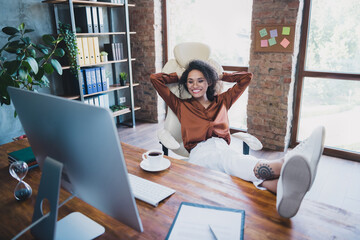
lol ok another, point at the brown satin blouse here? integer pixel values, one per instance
(197, 122)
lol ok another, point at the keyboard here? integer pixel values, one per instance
(148, 191)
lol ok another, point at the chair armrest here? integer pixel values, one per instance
(249, 139)
(167, 140)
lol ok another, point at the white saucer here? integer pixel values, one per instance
(165, 163)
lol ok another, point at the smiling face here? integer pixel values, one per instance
(197, 85)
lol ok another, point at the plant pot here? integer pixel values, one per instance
(104, 58)
(122, 82)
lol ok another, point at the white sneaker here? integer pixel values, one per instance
(298, 173)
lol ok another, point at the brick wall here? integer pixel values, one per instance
(145, 20)
(271, 91)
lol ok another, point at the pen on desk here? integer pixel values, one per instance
(213, 233)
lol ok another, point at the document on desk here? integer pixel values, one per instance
(196, 221)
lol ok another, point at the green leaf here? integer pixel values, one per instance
(44, 51)
(26, 40)
(32, 53)
(21, 26)
(59, 39)
(48, 68)
(48, 39)
(5, 80)
(11, 37)
(12, 66)
(20, 57)
(40, 46)
(45, 81)
(14, 44)
(28, 30)
(40, 74)
(33, 64)
(23, 74)
(57, 66)
(11, 50)
(29, 78)
(10, 30)
(59, 52)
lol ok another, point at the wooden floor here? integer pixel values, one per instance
(336, 183)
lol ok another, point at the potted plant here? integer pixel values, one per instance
(123, 78)
(71, 48)
(104, 56)
(25, 64)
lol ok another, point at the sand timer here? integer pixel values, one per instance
(18, 170)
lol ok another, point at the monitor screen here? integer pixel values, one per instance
(84, 138)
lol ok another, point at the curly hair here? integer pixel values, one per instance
(209, 73)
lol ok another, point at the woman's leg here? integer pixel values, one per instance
(268, 169)
(216, 154)
(270, 185)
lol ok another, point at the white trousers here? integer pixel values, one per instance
(216, 154)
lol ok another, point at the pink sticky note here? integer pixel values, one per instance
(264, 43)
(285, 43)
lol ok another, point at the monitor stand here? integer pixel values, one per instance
(74, 225)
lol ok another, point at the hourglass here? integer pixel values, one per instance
(18, 170)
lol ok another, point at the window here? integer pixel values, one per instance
(223, 25)
(329, 79)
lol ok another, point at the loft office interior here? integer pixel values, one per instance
(282, 103)
(276, 109)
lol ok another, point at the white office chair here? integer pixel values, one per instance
(170, 135)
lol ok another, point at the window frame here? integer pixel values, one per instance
(302, 73)
(166, 57)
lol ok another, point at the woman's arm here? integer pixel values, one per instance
(159, 81)
(242, 80)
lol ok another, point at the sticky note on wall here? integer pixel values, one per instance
(286, 31)
(272, 41)
(285, 43)
(263, 32)
(264, 43)
(273, 33)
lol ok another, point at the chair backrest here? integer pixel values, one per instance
(184, 53)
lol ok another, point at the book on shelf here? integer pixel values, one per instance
(101, 19)
(85, 51)
(117, 49)
(96, 49)
(101, 100)
(122, 55)
(80, 51)
(25, 155)
(104, 80)
(82, 81)
(98, 79)
(91, 50)
(95, 22)
(83, 19)
(88, 81)
(93, 80)
(110, 49)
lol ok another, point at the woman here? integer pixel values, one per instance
(206, 135)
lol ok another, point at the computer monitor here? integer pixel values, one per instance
(84, 138)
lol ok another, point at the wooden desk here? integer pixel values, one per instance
(192, 184)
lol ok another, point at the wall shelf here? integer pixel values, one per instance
(114, 19)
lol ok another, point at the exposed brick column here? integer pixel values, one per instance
(145, 20)
(269, 100)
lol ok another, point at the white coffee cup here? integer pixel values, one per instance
(153, 157)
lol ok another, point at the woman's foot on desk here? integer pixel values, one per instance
(298, 173)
